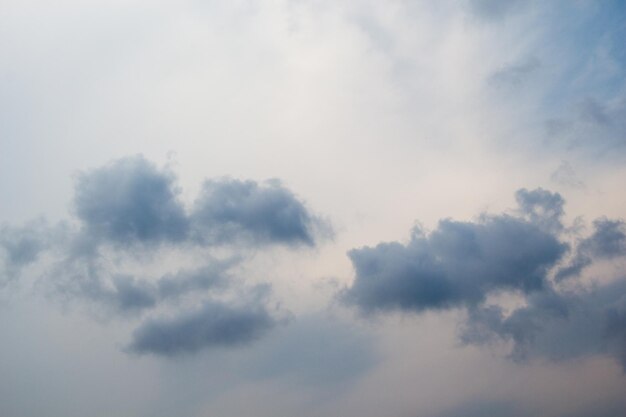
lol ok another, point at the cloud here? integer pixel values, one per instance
(21, 246)
(232, 210)
(514, 75)
(213, 325)
(557, 325)
(128, 212)
(459, 263)
(596, 127)
(119, 294)
(565, 175)
(212, 276)
(607, 241)
(129, 209)
(542, 208)
(130, 200)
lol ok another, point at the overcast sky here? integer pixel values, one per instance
(313, 208)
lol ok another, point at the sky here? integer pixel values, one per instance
(313, 208)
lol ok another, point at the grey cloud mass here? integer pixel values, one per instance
(607, 241)
(230, 209)
(542, 208)
(130, 200)
(557, 325)
(131, 210)
(130, 206)
(213, 325)
(458, 264)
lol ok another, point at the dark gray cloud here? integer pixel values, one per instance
(232, 210)
(88, 280)
(130, 200)
(557, 325)
(541, 207)
(458, 264)
(130, 209)
(213, 325)
(607, 241)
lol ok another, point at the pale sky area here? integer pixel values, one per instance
(313, 208)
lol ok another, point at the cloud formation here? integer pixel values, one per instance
(130, 211)
(131, 201)
(557, 325)
(232, 210)
(213, 325)
(460, 264)
(607, 241)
